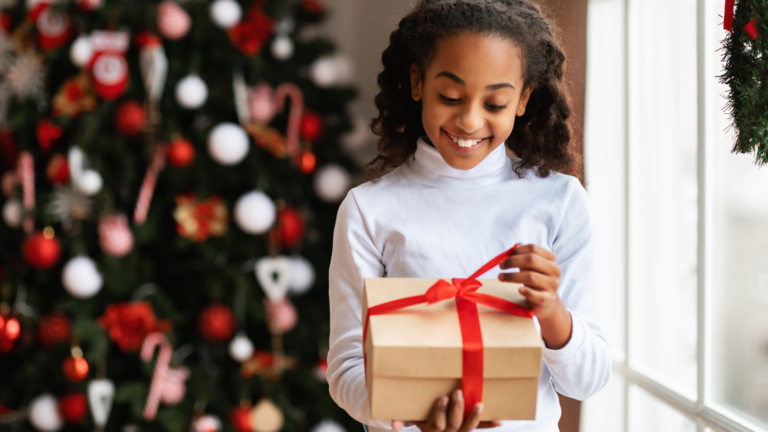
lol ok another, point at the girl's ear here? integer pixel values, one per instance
(415, 82)
(523, 101)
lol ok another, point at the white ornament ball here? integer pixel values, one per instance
(241, 348)
(255, 212)
(332, 183)
(226, 13)
(12, 213)
(282, 47)
(81, 51)
(345, 71)
(323, 72)
(90, 183)
(328, 426)
(228, 143)
(44, 413)
(191, 92)
(302, 275)
(80, 277)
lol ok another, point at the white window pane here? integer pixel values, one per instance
(604, 157)
(648, 414)
(738, 348)
(663, 191)
(604, 412)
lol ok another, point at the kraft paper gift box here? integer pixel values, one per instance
(414, 355)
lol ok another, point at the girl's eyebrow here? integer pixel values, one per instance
(460, 81)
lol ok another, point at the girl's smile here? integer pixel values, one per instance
(465, 145)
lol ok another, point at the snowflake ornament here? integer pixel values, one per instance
(67, 205)
(25, 74)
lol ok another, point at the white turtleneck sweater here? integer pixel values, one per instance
(428, 220)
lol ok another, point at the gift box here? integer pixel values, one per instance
(416, 347)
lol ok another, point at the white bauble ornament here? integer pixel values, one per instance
(228, 143)
(12, 213)
(241, 348)
(332, 183)
(323, 72)
(282, 47)
(191, 92)
(255, 212)
(302, 275)
(80, 277)
(328, 426)
(44, 413)
(81, 51)
(89, 183)
(206, 423)
(226, 13)
(345, 71)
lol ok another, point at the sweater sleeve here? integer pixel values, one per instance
(354, 258)
(583, 366)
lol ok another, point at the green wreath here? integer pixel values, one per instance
(746, 74)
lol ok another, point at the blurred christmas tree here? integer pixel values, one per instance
(171, 174)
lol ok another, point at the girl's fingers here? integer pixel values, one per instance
(532, 262)
(437, 421)
(533, 296)
(489, 424)
(531, 279)
(534, 249)
(397, 424)
(473, 420)
(456, 412)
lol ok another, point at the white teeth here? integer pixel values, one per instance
(464, 143)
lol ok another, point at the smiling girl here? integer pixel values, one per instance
(463, 82)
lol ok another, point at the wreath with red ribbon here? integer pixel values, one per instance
(745, 54)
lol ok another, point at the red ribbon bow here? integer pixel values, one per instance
(467, 299)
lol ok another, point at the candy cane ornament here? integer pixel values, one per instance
(148, 185)
(167, 383)
(26, 172)
(294, 117)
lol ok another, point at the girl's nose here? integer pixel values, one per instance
(470, 119)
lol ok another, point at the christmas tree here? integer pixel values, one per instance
(171, 173)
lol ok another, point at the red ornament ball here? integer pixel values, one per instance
(240, 419)
(73, 407)
(181, 153)
(216, 323)
(10, 329)
(130, 118)
(41, 250)
(53, 329)
(307, 162)
(311, 126)
(75, 368)
(58, 169)
(290, 227)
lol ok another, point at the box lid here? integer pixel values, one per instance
(425, 341)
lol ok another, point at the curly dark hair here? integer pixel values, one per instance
(541, 136)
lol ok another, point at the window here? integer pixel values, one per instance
(682, 225)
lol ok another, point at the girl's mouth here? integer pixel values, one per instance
(464, 144)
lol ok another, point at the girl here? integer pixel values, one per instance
(463, 81)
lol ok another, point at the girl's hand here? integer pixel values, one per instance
(447, 417)
(540, 275)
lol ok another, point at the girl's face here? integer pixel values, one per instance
(471, 92)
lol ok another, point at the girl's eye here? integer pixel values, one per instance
(447, 99)
(496, 107)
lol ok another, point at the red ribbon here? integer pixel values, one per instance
(467, 299)
(728, 16)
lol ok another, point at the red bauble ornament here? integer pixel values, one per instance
(75, 368)
(41, 250)
(281, 315)
(307, 162)
(73, 407)
(115, 236)
(53, 329)
(290, 227)
(58, 169)
(130, 118)
(216, 323)
(240, 419)
(180, 153)
(311, 126)
(173, 22)
(47, 133)
(10, 329)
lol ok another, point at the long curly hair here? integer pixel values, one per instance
(541, 136)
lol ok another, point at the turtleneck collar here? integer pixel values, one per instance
(430, 166)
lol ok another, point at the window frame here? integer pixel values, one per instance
(702, 411)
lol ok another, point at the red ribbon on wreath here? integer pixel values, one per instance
(467, 299)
